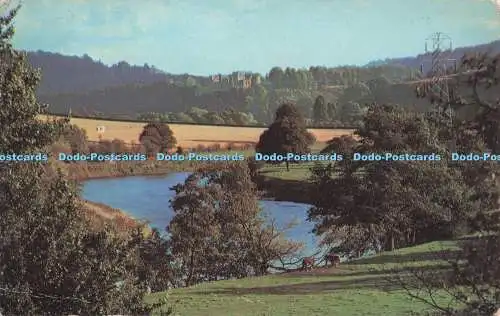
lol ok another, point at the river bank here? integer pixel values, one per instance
(82, 171)
(274, 188)
(101, 214)
(285, 190)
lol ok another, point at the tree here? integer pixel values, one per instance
(393, 203)
(288, 110)
(49, 252)
(198, 115)
(156, 261)
(467, 283)
(332, 110)
(472, 281)
(157, 137)
(287, 134)
(320, 110)
(118, 146)
(277, 77)
(218, 230)
(52, 261)
(182, 118)
(305, 104)
(343, 144)
(214, 118)
(260, 102)
(77, 139)
(351, 113)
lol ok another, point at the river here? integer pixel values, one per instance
(147, 198)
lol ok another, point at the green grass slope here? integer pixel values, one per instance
(362, 287)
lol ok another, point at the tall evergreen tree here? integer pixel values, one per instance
(320, 110)
(332, 110)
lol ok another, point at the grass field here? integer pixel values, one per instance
(297, 171)
(188, 136)
(362, 287)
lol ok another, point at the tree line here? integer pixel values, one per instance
(172, 104)
(202, 116)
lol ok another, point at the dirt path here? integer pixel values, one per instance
(322, 271)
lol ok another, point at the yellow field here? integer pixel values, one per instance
(188, 136)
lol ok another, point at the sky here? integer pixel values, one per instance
(204, 37)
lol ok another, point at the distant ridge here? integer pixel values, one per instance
(415, 62)
(89, 74)
(123, 91)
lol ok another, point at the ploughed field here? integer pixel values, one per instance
(188, 136)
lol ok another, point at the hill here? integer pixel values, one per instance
(80, 74)
(457, 53)
(123, 91)
(132, 99)
(74, 74)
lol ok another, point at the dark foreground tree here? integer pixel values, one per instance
(157, 137)
(287, 134)
(218, 230)
(471, 282)
(52, 261)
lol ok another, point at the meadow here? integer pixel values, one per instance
(188, 136)
(361, 287)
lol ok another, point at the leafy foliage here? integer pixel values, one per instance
(218, 230)
(395, 203)
(52, 261)
(288, 133)
(157, 137)
(473, 279)
(77, 139)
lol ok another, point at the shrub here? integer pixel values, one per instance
(118, 146)
(201, 148)
(232, 146)
(76, 138)
(215, 147)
